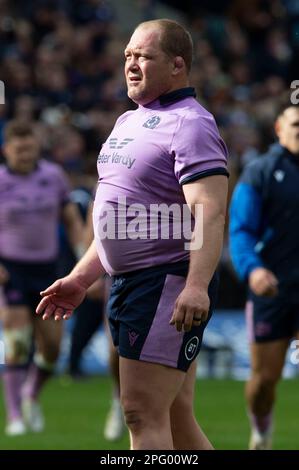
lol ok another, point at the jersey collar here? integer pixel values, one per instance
(278, 149)
(177, 95)
(14, 172)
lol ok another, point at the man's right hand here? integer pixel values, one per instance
(263, 282)
(61, 298)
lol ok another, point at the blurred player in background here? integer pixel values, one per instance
(168, 151)
(34, 195)
(264, 244)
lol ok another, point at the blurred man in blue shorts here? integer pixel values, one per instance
(264, 244)
(34, 196)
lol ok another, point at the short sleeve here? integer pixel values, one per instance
(198, 149)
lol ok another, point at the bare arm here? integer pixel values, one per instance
(89, 268)
(88, 233)
(193, 302)
(97, 290)
(211, 192)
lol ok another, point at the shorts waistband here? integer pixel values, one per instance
(160, 267)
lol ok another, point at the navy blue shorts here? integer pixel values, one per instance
(139, 310)
(26, 280)
(273, 318)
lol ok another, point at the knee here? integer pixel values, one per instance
(133, 408)
(17, 344)
(43, 362)
(135, 419)
(50, 350)
(138, 414)
(51, 355)
(266, 380)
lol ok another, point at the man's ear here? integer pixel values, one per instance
(179, 64)
(4, 150)
(277, 126)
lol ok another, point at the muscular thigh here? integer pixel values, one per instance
(15, 316)
(150, 386)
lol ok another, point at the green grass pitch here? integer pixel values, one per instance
(75, 414)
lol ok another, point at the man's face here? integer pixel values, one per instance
(287, 129)
(21, 153)
(148, 69)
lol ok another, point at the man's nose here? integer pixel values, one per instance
(133, 63)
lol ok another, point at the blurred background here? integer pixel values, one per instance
(62, 65)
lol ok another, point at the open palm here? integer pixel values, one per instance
(61, 299)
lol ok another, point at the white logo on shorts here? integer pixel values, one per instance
(191, 348)
(279, 175)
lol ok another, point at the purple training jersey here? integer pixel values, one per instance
(149, 155)
(29, 212)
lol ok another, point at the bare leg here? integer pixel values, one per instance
(48, 337)
(17, 330)
(115, 425)
(267, 360)
(147, 392)
(186, 432)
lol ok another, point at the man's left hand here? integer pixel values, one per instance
(191, 308)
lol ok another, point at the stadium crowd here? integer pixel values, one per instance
(61, 64)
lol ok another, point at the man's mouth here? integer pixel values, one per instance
(134, 79)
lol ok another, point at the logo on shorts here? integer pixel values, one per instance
(279, 175)
(191, 348)
(263, 329)
(14, 295)
(132, 337)
(152, 122)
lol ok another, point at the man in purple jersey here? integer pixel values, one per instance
(160, 159)
(34, 194)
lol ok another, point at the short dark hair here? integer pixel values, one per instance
(175, 39)
(17, 129)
